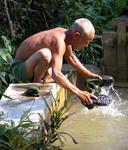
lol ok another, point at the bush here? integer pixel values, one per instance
(6, 55)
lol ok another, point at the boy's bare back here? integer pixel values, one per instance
(46, 39)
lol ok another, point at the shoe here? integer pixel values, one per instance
(102, 100)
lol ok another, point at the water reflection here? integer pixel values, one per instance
(101, 128)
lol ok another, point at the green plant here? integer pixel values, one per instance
(30, 135)
(30, 16)
(91, 55)
(32, 91)
(6, 54)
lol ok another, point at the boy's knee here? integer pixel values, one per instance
(46, 55)
(38, 61)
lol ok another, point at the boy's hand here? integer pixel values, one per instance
(86, 97)
(96, 76)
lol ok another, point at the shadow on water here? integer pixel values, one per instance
(101, 128)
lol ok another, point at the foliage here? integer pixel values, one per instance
(22, 18)
(32, 91)
(30, 135)
(29, 16)
(6, 54)
(94, 51)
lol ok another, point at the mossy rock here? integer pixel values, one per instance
(32, 91)
(93, 83)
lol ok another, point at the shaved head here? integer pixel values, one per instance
(82, 25)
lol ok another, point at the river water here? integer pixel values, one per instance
(101, 128)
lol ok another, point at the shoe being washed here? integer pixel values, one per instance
(100, 88)
(102, 100)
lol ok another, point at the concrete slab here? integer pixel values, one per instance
(13, 103)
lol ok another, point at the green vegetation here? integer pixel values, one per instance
(6, 55)
(21, 18)
(30, 135)
(32, 91)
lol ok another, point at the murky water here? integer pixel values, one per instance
(102, 128)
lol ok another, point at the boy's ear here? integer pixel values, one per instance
(76, 35)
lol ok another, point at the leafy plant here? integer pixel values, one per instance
(91, 55)
(32, 91)
(6, 54)
(29, 135)
(23, 18)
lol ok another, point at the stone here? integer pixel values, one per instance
(81, 80)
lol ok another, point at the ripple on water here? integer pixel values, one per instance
(101, 128)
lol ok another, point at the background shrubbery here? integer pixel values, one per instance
(22, 18)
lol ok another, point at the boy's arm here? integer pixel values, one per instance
(58, 76)
(74, 61)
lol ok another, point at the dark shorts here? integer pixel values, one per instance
(18, 70)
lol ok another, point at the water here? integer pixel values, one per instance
(102, 128)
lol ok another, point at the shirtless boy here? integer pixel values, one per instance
(41, 55)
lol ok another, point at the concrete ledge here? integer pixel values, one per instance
(14, 106)
(81, 80)
(13, 103)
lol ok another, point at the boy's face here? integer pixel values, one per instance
(83, 40)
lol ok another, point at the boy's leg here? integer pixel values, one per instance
(48, 77)
(38, 64)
